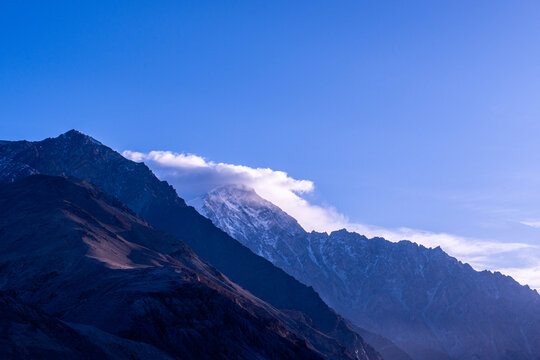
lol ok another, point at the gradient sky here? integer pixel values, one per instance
(423, 114)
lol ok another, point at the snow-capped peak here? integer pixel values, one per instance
(252, 220)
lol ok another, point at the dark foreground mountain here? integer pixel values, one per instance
(426, 302)
(82, 257)
(75, 154)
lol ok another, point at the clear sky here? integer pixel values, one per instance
(417, 114)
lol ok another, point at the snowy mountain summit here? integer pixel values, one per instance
(426, 302)
(256, 222)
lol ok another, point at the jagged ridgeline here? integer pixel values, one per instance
(426, 302)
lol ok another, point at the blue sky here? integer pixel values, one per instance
(419, 114)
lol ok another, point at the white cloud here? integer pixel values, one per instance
(192, 176)
(531, 223)
(525, 275)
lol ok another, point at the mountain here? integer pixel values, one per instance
(74, 154)
(426, 302)
(82, 257)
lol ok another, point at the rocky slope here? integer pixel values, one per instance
(426, 302)
(82, 257)
(75, 154)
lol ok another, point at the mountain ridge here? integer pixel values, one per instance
(412, 295)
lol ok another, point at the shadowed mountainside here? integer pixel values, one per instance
(82, 257)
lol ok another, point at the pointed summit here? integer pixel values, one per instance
(75, 154)
(73, 132)
(240, 194)
(78, 135)
(255, 222)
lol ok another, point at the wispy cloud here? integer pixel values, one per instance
(193, 175)
(531, 223)
(525, 275)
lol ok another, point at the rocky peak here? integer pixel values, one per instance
(247, 208)
(79, 155)
(76, 135)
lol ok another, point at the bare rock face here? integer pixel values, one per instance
(74, 154)
(426, 302)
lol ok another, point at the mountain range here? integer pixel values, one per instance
(143, 287)
(425, 301)
(101, 259)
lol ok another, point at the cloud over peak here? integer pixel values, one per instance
(193, 176)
